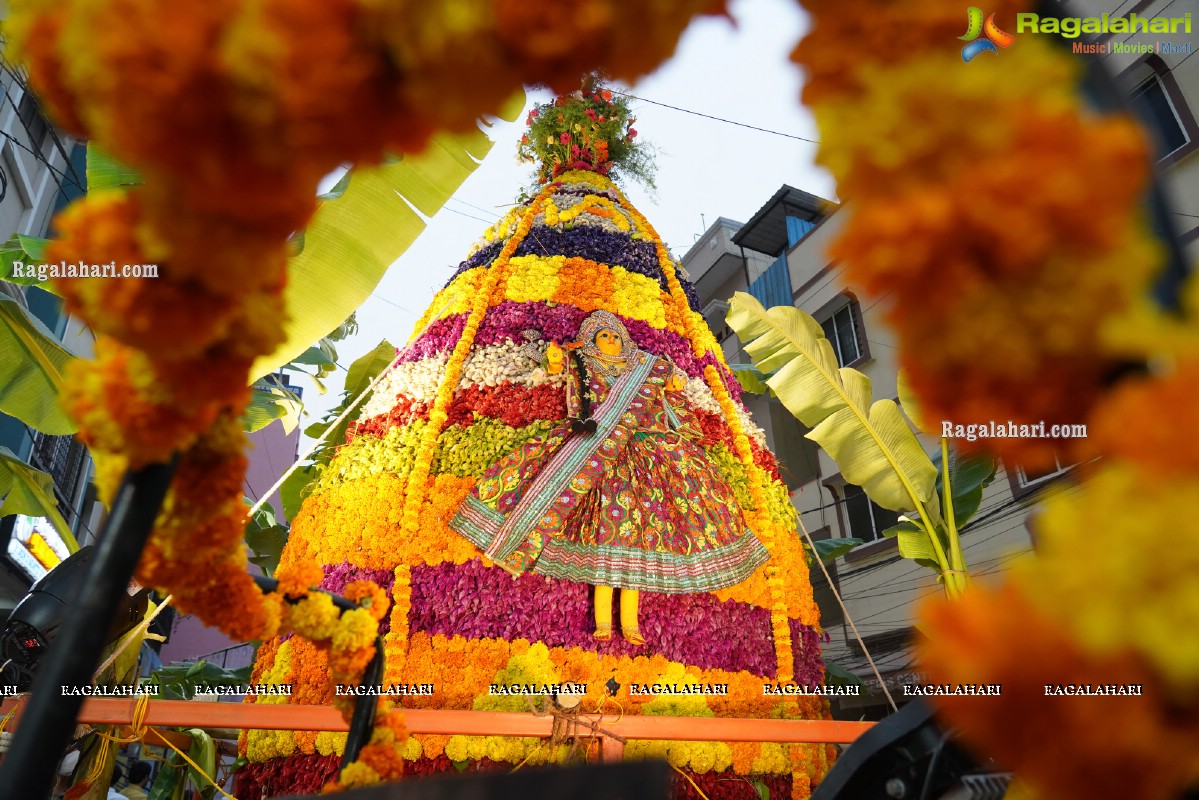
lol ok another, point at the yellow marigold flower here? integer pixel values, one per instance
(1092, 577)
(357, 774)
(356, 630)
(1062, 747)
(840, 53)
(314, 617)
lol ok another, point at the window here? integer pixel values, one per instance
(714, 314)
(1025, 479)
(66, 461)
(33, 120)
(867, 520)
(1156, 109)
(843, 329)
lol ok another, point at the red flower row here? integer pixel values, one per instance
(518, 405)
(514, 404)
(304, 774)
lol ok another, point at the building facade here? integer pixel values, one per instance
(40, 172)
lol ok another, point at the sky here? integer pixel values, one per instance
(706, 169)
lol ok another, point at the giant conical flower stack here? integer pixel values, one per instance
(471, 386)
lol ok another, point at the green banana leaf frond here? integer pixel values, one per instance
(870, 441)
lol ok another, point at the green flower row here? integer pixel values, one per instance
(461, 451)
(470, 450)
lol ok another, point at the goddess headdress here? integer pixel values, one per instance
(599, 321)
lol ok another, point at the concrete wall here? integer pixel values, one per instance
(1180, 76)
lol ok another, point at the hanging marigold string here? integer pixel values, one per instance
(972, 210)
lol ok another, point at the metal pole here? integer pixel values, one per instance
(48, 721)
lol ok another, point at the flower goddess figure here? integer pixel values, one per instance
(560, 429)
(620, 495)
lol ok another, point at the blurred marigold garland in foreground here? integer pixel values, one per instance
(970, 218)
(233, 111)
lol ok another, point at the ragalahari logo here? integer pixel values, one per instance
(993, 36)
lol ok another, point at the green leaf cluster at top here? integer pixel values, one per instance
(591, 129)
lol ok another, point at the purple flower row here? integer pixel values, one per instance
(476, 602)
(338, 576)
(613, 248)
(805, 644)
(481, 257)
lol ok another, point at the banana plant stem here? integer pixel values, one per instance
(957, 562)
(930, 530)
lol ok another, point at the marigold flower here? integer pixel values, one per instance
(1060, 746)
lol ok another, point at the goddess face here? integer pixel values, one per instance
(609, 342)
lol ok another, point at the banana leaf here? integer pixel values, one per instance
(29, 491)
(105, 172)
(362, 227)
(203, 754)
(268, 403)
(31, 373)
(266, 538)
(29, 250)
(358, 377)
(969, 477)
(871, 442)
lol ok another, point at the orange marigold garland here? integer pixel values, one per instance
(348, 638)
(704, 343)
(418, 479)
(971, 220)
(246, 107)
(970, 225)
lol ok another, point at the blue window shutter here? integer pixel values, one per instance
(773, 287)
(797, 229)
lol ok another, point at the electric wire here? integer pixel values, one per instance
(714, 118)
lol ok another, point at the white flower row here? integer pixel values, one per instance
(415, 379)
(485, 366)
(699, 396)
(511, 363)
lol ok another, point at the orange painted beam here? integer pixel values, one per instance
(171, 713)
(155, 738)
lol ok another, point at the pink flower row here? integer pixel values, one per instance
(476, 602)
(507, 321)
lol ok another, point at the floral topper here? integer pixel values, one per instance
(591, 129)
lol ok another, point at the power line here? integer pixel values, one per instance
(480, 208)
(468, 216)
(717, 119)
(378, 296)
